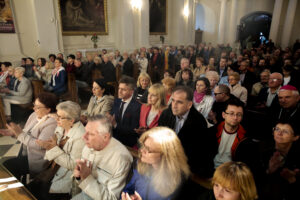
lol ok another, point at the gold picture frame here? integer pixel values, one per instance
(81, 17)
(158, 17)
(6, 17)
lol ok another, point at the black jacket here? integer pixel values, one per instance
(198, 144)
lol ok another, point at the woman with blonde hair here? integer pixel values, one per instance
(143, 83)
(151, 111)
(161, 167)
(234, 181)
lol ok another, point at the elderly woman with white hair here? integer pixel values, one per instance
(213, 78)
(21, 93)
(64, 148)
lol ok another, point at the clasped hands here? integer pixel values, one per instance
(83, 169)
(12, 130)
(135, 196)
(47, 144)
(276, 162)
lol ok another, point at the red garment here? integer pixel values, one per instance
(70, 68)
(7, 79)
(145, 110)
(168, 97)
(154, 59)
(239, 137)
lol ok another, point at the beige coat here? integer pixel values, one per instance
(100, 107)
(240, 92)
(66, 157)
(110, 168)
(32, 131)
(198, 71)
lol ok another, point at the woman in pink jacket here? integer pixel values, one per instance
(151, 112)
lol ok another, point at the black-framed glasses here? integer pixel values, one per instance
(239, 115)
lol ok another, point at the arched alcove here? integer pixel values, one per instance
(251, 25)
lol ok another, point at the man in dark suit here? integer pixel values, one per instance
(192, 131)
(156, 65)
(127, 65)
(108, 70)
(125, 114)
(222, 67)
(247, 78)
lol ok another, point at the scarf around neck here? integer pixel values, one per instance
(198, 96)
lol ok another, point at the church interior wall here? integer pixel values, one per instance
(38, 28)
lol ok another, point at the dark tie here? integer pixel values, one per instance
(121, 110)
(17, 85)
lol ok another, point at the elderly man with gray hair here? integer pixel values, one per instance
(104, 164)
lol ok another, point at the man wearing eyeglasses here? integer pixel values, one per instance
(268, 97)
(233, 145)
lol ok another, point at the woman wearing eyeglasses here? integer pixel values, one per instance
(62, 150)
(281, 163)
(40, 125)
(161, 167)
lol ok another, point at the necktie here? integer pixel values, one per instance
(17, 85)
(121, 111)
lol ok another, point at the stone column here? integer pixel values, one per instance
(275, 20)
(142, 27)
(233, 23)
(222, 22)
(125, 29)
(288, 23)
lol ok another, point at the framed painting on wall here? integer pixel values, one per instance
(6, 17)
(158, 17)
(83, 17)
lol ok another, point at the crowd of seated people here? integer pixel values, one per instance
(225, 119)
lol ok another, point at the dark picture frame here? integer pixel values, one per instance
(81, 17)
(158, 17)
(6, 17)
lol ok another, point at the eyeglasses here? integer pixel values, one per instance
(283, 131)
(239, 115)
(62, 118)
(142, 147)
(218, 93)
(37, 107)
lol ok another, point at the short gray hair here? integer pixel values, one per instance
(71, 108)
(105, 127)
(20, 69)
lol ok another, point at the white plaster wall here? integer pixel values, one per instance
(38, 29)
(211, 15)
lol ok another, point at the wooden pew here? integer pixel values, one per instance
(136, 70)
(118, 72)
(37, 86)
(2, 115)
(96, 74)
(72, 90)
(115, 85)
